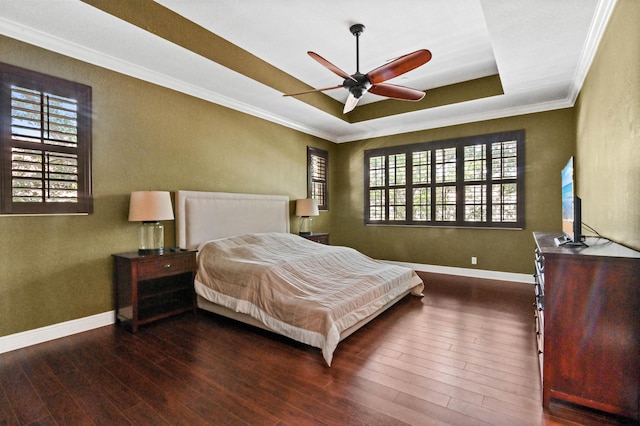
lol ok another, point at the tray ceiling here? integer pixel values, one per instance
(491, 58)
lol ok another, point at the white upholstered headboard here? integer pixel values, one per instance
(204, 216)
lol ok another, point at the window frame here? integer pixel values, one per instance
(312, 180)
(384, 209)
(82, 151)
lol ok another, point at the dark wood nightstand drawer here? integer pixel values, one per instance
(322, 238)
(161, 267)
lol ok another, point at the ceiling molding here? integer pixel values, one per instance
(317, 116)
(596, 31)
(55, 44)
(444, 120)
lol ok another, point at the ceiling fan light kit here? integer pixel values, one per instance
(358, 84)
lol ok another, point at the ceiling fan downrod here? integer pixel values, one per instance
(359, 83)
(356, 30)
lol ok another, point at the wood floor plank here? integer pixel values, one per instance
(323, 399)
(511, 348)
(489, 416)
(438, 356)
(217, 414)
(395, 379)
(464, 383)
(495, 382)
(21, 395)
(464, 354)
(7, 415)
(142, 414)
(65, 410)
(507, 337)
(530, 414)
(453, 347)
(167, 401)
(526, 380)
(229, 384)
(91, 398)
(393, 409)
(40, 375)
(236, 386)
(437, 412)
(447, 357)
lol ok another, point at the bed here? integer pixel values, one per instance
(252, 269)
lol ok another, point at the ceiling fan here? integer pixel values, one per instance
(358, 84)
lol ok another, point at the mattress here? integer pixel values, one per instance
(307, 291)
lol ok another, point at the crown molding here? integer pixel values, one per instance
(58, 45)
(496, 107)
(596, 31)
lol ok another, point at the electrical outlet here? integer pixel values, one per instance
(474, 260)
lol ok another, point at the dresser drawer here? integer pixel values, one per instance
(161, 267)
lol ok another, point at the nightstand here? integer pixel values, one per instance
(151, 287)
(319, 237)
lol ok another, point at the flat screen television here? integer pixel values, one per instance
(571, 209)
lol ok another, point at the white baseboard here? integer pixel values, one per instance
(55, 331)
(466, 272)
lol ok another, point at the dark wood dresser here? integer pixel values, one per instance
(588, 313)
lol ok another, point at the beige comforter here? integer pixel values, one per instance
(304, 290)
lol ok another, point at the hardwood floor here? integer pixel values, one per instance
(462, 355)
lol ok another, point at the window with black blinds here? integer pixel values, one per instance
(317, 176)
(468, 182)
(46, 141)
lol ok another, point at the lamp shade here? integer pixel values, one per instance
(307, 207)
(150, 206)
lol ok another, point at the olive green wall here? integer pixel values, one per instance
(549, 142)
(55, 269)
(608, 131)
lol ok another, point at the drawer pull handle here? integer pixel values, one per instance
(167, 266)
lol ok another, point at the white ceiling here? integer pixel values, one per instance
(541, 49)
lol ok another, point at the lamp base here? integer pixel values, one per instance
(305, 226)
(146, 252)
(151, 238)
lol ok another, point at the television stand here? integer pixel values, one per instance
(563, 240)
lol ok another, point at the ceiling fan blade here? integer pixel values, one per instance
(330, 66)
(313, 90)
(396, 92)
(399, 66)
(351, 103)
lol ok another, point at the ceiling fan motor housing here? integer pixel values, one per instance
(358, 87)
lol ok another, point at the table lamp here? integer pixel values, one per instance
(150, 207)
(305, 208)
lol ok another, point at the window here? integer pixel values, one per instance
(317, 172)
(45, 139)
(469, 182)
